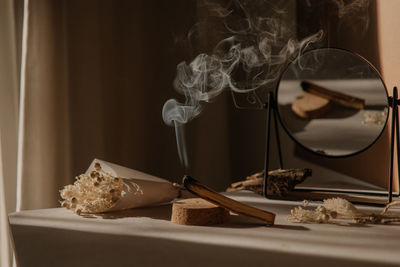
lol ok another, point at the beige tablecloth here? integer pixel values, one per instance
(146, 237)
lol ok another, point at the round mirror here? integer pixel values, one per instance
(332, 102)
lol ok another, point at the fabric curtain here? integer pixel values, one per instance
(43, 156)
(8, 124)
(96, 76)
(5, 246)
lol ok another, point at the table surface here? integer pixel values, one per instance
(146, 237)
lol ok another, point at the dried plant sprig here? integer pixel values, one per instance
(339, 208)
(342, 207)
(330, 209)
(319, 215)
(93, 193)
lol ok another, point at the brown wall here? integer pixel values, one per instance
(389, 49)
(122, 57)
(122, 60)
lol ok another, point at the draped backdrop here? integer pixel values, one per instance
(100, 71)
(88, 79)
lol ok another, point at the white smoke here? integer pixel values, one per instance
(359, 7)
(249, 50)
(252, 57)
(353, 13)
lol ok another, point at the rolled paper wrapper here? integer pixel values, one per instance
(109, 187)
(139, 189)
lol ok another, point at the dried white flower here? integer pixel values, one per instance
(92, 193)
(330, 209)
(339, 208)
(300, 214)
(305, 203)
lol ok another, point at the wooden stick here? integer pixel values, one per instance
(343, 99)
(236, 207)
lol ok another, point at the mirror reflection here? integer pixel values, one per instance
(332, 102)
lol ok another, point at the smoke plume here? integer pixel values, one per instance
(260, 41)
(353, 14)
(258, 48)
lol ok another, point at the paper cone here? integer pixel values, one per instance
(139, 189)
(109, 187)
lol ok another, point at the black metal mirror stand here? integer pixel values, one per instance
(394, 104)
(271, 108)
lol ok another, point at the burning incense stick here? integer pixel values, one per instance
(210, 195)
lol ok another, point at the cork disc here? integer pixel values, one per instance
(309, 106)
(197, 211)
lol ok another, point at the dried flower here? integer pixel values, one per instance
(300, 214)
(97, 166)
(339, 208)
(92, 193)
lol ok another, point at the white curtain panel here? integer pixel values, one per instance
(8, 124)
(5, 247)
(43, 147)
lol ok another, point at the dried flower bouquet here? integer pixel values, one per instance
(109, 187)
